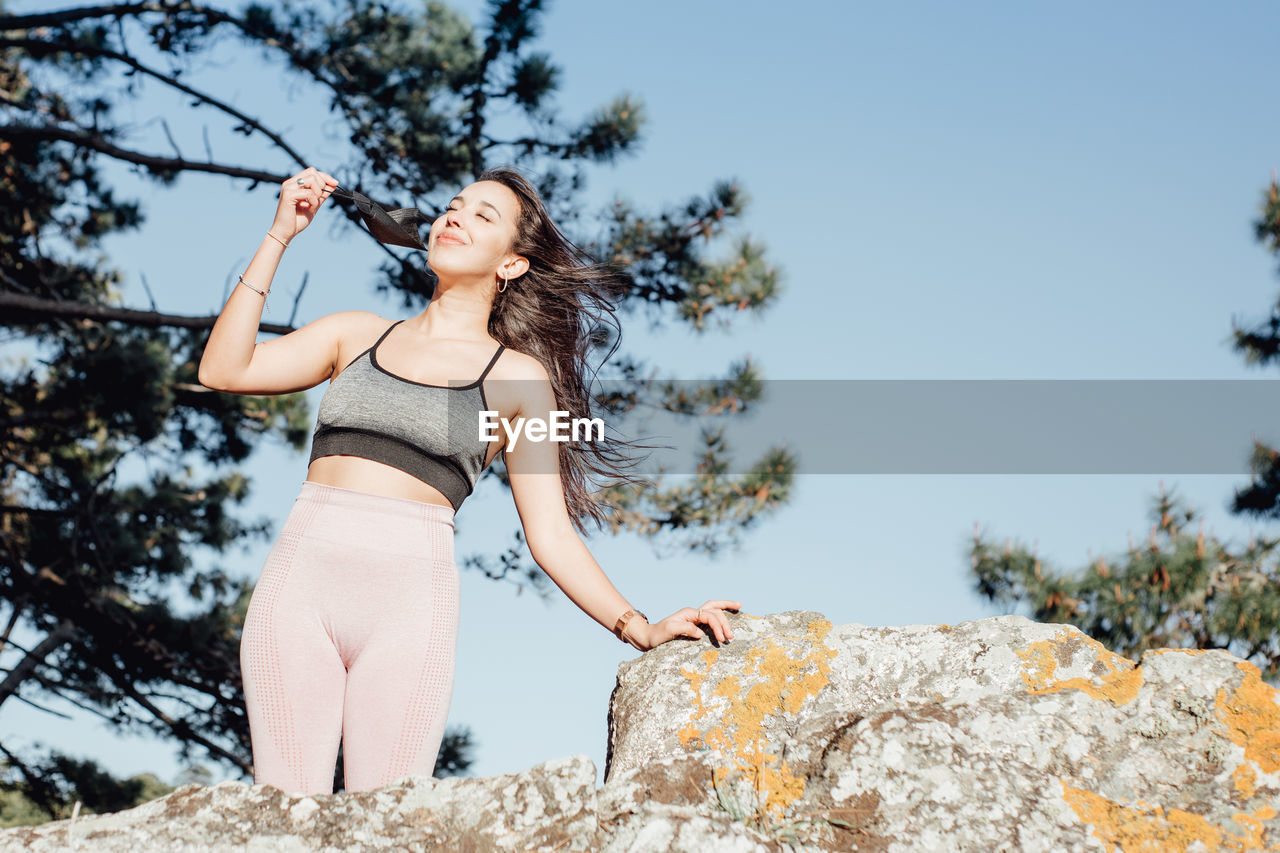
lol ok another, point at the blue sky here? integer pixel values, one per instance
(953, 191)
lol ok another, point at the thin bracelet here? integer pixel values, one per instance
(254, 289)
(277, 239)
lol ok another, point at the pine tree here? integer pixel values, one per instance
(1261, 346)
(1177, 591)
(119, 471)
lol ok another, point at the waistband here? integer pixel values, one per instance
(352, 499)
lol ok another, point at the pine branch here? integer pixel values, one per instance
(303, 60)
(40, 707)
(27, 666)
(528, 143)
(180, 729)
(89, 311)
(37, 789)
(95, 142)
(37, 47)
(69, 16)
(13, 621)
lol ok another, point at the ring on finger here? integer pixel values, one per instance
(301, 182)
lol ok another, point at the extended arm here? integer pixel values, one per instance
(534, 471)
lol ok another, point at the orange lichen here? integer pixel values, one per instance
(1252, 718)
(1245, 779)
(1120, 679)
(779, 684)
(1142, 827)
(690, 732)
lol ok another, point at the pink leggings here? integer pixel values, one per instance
(351, 632)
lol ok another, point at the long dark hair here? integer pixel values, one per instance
(554, 312)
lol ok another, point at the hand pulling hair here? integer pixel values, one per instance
(397, 227)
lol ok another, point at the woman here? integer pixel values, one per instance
(352, 627)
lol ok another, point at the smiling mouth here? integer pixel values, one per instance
(449, 238)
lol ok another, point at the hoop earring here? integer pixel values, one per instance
(505, 281)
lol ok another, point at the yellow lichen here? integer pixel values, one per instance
(1144, 828)
(779, 684)
(1252, 718)
(1119, 681)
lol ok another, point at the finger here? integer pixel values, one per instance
(720, 628)
(724, 605)
(707, 617)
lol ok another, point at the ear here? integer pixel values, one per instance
(516, 266)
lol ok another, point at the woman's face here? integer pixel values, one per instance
(474, 236)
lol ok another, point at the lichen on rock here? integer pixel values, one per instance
(993, 734)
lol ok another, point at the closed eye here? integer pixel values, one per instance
(455, 209)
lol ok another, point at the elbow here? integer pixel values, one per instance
(206, 376)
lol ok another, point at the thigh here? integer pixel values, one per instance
(293, 677)
(400, 682)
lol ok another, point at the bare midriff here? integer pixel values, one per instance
(375, 478)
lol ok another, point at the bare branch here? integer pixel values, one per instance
(165, 124)
(297, 298)
(151, 296)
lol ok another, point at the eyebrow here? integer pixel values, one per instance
(485, 203)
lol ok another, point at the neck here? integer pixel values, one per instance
(460, 313)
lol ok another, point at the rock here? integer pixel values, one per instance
(995, 734)
(549, 807)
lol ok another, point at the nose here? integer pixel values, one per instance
(451, 217)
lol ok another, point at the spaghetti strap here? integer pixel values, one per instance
(384, 335)
(370, 350)
(492, 362)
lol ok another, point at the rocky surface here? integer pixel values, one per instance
(995, 734)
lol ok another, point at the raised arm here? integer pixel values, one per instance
(534, 471)
(232, 361)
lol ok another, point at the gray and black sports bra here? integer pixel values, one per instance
(429, 431)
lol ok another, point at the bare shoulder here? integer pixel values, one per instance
(356, 324)
(355, 332)
(519, 365)
(519, 384)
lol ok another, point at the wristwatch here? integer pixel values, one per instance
(622, 622)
